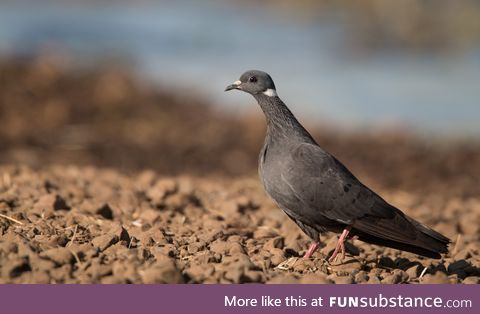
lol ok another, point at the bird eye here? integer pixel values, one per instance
(252, 79)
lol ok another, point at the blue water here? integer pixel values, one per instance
(201, 46)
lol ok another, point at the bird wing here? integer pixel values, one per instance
(328, 188)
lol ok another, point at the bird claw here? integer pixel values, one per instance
(340, 247)
(334, 256)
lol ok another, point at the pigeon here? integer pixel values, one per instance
(318, 192)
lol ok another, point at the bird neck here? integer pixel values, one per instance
(281, 123)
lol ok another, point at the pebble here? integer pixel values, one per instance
(126, 273)
(373, 279)
(361, 277)
(284, 279)
(414, 271)
(218, 246)
(104, 241)
(162, 272)
(347, 266)
(199, 273)
(59, 255)
(392, 279)
(471, 280)
(315, 278)
(49, 203)
(160, 190)
(277, 256)
(341, 279)
(274, 243)
(264, 232)
(437, 278)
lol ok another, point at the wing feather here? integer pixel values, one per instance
(328, 188)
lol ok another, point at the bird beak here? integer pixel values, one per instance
(235, 85)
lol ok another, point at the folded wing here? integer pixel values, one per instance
(328, 188)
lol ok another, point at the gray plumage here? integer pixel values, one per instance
(317, 191)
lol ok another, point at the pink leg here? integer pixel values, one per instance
(340, 245)
(313, 247)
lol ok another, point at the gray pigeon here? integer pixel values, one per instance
(318, 192)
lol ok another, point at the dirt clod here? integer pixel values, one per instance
(104, 241)
(58, 255)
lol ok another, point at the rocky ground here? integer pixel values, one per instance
(76, 205)
(87, 225)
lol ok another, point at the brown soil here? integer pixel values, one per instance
(83, 225)
(201, 215)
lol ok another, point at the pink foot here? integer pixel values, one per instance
(340, 248)
(313, 247)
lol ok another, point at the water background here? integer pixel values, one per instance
(202, 46)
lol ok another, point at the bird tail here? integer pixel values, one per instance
(430, 238)
(403, 233)
(435, 247)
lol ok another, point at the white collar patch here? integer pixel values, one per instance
(270, 92)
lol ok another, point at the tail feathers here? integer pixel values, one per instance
(429, 238)
(431, 253)
(399, 231)
(427, 242)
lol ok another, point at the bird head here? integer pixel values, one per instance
(254, 82)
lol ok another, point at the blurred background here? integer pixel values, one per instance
(391, 87)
